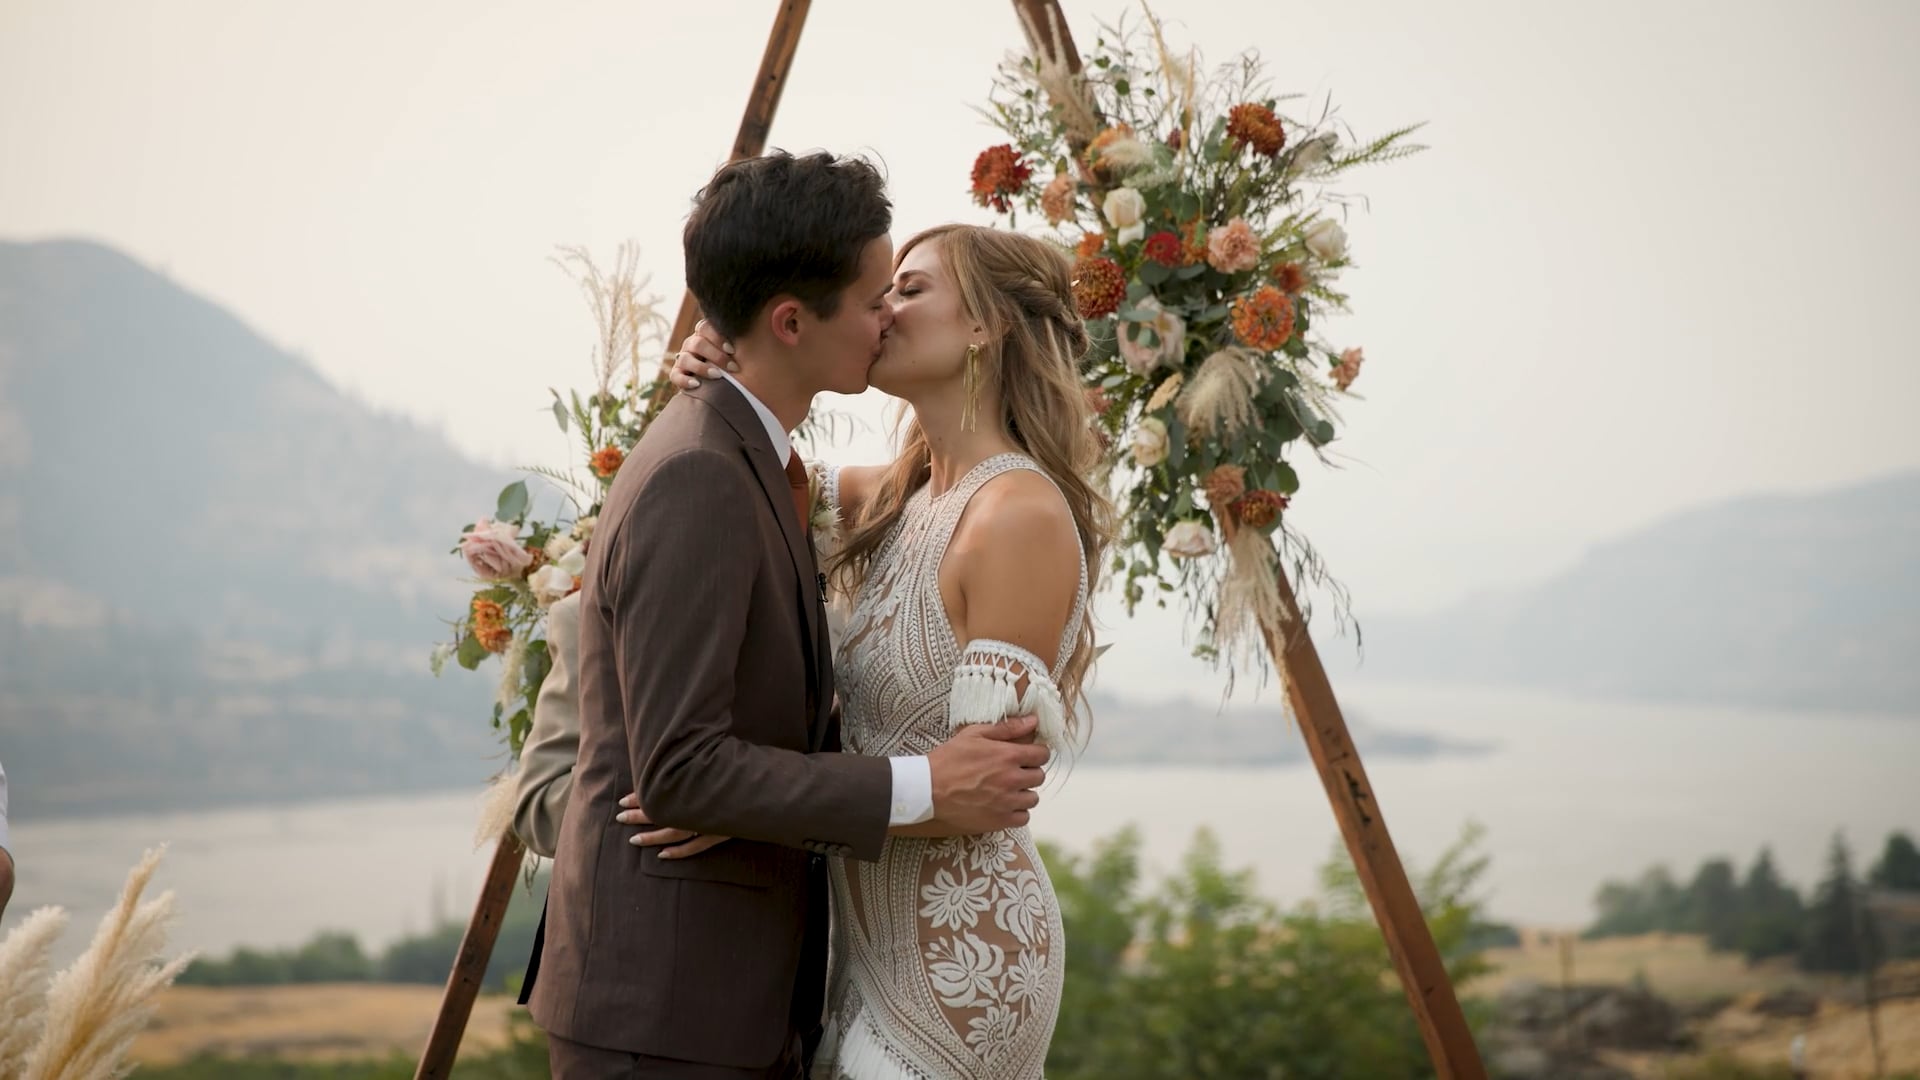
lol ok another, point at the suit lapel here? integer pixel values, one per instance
(772, 474)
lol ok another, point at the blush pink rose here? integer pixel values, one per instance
(494, 551)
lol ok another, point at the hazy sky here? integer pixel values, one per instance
(1654, 257)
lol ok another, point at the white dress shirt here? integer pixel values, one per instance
(912, 776)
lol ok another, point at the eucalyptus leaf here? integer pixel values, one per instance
(513, 502)
(1154, 273)
(1285, 480)
(470, 652)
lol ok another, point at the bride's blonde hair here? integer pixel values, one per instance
(1021, 290)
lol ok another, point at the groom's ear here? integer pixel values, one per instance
(783, 319)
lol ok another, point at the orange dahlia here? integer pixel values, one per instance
(1259, 509)
(998, 175)
(1164, 248)
(1292, 278)
(1265, 319)
(1255, 125)
(1090, 245)
(1098, 287)
(606, 461)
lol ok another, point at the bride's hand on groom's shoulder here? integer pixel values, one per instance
(702, 356)
(678, 843)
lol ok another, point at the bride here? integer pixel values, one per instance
(967, 561)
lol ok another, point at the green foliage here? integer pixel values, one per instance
(422, 958)
(1761, 916)
(1203, 977)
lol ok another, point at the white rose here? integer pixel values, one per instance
(1188, 540)
(1132, 234)
(550, 583)
(1170, 339)
(558, 545)
(1150, 443)
(1327, 240)
(583, 529)
(573, 563)
(1124, 207)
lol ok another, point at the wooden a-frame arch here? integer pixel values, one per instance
(1423, 975)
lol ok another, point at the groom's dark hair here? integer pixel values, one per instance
(780, 225)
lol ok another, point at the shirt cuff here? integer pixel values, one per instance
(912, 791)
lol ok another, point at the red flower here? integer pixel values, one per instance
(1292, 278)
(998, 175)
(1098, 287)
(1165, 248)
(1259, 509)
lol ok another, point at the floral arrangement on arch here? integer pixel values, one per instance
(523, 563)
(1208, 243)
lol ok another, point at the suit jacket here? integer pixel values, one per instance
(553, 744)
(704, 675)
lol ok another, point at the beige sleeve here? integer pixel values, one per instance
(553, 744)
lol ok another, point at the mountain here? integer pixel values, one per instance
(1793, 601)
(219, 575)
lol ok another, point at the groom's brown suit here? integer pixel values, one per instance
(705, 677)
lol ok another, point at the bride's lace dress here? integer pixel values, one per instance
(948, 954)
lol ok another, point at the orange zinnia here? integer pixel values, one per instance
(606, 461)
(1256, 126)
(998, 175)
(1264, 320)
(1090, 245)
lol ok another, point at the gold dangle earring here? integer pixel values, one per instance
(969, 411)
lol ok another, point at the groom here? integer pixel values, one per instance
(705, 678)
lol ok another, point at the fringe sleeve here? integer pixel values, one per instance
(996, 680)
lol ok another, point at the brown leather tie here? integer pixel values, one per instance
(802, 497)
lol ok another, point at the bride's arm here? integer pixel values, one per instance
(1015, 564)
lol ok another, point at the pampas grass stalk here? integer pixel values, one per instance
(23, 986)
(97, 1006)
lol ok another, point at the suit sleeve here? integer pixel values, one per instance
(553, 744)
(681, 569)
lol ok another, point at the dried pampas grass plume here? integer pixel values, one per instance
(97, 1006)
(1053, 72)
(1219, 402)
(1250, 611)
(496, 810)
(23, 985)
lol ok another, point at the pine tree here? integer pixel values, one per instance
(1713, 904)
(1899, 865)
(1838, 932)
(1770, 912)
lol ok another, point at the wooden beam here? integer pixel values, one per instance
(749, 141)
(1436, 1009)
(470, 963)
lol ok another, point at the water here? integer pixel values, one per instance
(1575, 792)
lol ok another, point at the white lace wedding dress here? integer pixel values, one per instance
(948, 954)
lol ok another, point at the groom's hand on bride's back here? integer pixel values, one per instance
(986, 777)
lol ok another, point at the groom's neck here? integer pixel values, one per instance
(767, 379)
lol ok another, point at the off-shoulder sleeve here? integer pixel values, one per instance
(996, 680)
